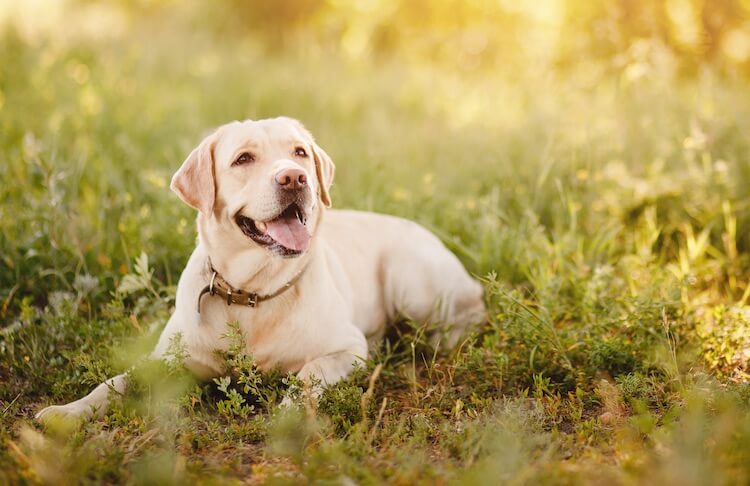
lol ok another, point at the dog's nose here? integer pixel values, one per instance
(291, 179)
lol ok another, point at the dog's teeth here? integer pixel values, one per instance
(261, 226)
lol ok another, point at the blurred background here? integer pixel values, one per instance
(473, 36)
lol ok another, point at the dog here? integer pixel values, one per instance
(312, 288)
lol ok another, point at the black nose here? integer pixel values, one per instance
(291, 179)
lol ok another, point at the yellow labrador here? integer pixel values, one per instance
(309, 287)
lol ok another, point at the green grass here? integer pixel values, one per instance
(608, 218)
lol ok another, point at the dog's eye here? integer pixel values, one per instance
(300, 152)
(244, 158)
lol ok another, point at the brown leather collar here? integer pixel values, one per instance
(218, 286)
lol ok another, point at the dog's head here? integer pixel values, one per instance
(267, 178)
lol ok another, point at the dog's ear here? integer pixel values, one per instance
(194, 180)
(324, 170)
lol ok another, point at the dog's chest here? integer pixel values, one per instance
(277, 336)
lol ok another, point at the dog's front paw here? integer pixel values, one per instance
(302, 398)
(308, 396)
(288, 402)
(70, 411)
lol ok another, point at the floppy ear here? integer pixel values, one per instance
(324, 170)
(194, 181)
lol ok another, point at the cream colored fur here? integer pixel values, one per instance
(361, 271)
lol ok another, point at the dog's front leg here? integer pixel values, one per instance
(330, 368)
(95, 403)
(323, 371)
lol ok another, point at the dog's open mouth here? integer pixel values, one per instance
(286, 234)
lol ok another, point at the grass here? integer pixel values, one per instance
(607, 215)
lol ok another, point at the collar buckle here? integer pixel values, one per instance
(211, 284)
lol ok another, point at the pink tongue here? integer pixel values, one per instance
(289, 232)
